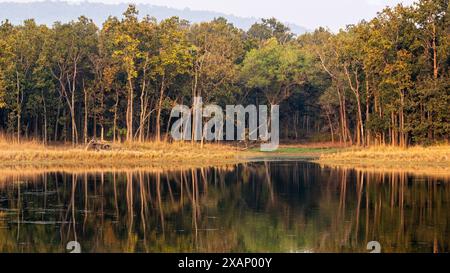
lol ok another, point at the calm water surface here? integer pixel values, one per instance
(255, 207)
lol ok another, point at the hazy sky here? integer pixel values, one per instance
(307, 13)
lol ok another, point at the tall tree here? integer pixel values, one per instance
(174, 59)
(275, 69)
(67, 50)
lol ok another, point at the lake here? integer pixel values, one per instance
(286, 206)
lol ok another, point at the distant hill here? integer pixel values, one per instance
(49, 12)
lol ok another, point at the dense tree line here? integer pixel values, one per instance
(382, 81)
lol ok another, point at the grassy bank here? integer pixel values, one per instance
(386, 158)
(159, 155)
(34, 154)
(308, 151)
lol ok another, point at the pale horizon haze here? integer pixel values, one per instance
(310, 14)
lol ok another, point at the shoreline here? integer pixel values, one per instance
(134, 155)
(172, 156)
(433, 160)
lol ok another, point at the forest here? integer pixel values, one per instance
(383, 81)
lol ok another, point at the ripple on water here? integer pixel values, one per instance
(39, 222)
(39, 193)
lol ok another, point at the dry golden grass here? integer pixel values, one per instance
(155, 154)
(423, 160)
(435, 154)
(33, 155)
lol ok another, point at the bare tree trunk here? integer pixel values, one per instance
(330, 124)
(102, 132)
(166, 137)
(435, 65)
(19, 106)
(355, 89)
(368, 96)
(94, 127)
(85, 129)
(344, 136)
(36, 131)
(45, 117)
(402, 120)
(148, 127)
(74, 123)
(360, 121)
(393, 129)
(194, 94)
(116, 105)
(342, 119)
(158, 115)
(144, 105)
(345, 121)
(129, 114)
(435, 76)
(65, 125)
(101, 117)
(57, 119)
(72, 104)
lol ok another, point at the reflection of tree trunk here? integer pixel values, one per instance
(188, 192)
(181, 187)
(158, 194)
(116, 205)
(359, 186)
(172, 199)
(367, 194)
(130, 201)
(378, 212)
(85, 200)
(102, 194)
(72, 202)
(435, 245)
(44, 177)
(19, 211)
(150, 199)
(269, 181)
(342, 195)
(205, 180)
(194, 205)
(401, 205)
(143, 200)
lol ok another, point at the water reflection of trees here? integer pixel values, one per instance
(257, 207)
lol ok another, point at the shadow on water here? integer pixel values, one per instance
(255, 207)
